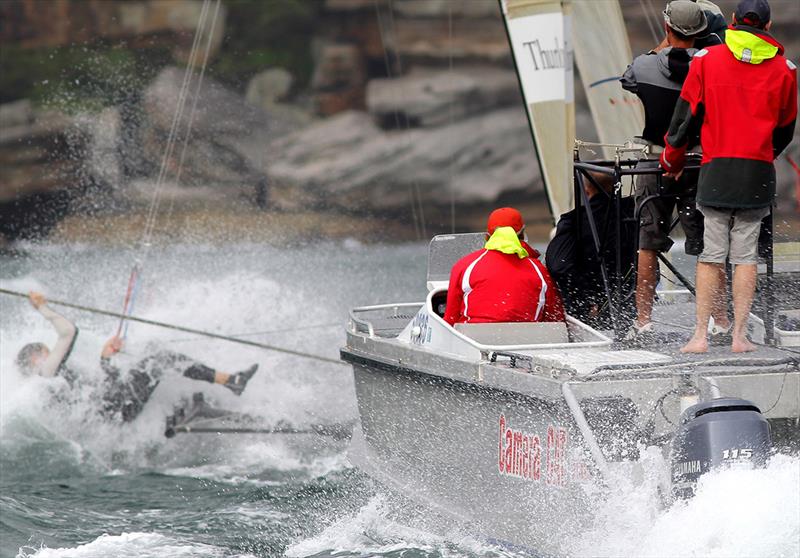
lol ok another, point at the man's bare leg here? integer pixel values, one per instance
(646, 281)
(744, 288)
(720, 309)
(708, 288)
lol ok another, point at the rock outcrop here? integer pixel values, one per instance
(432, 97)
(41, 168)
(172, 23)
(350, 162)
(228, 135)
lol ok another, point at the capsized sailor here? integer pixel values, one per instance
(124, 393)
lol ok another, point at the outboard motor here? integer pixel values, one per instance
(719, 432)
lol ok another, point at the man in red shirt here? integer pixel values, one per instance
(503, 282)
(744, 93)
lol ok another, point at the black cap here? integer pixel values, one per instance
(753, 12)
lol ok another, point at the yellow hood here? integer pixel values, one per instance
(504, 239)
(749, 47)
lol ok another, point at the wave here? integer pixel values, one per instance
(133, 545)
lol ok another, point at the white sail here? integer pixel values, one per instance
(602, 52)
(540, 37)
(542, 34)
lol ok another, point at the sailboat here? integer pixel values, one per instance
(513, 429)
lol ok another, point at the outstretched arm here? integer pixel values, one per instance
(686, 120)
(66, 330)
(784, 133)
(111, 347)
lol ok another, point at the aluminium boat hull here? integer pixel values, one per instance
(512, 467)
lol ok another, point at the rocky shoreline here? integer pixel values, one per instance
(410, 108)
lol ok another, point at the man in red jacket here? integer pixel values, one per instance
(745, 95)
(504, 282)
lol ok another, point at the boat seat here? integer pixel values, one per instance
(515, 333)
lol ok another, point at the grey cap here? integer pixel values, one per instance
(685, 17)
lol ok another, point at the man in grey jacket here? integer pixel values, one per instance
(656, 78)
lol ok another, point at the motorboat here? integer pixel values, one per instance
(510, 428)
(516, 429)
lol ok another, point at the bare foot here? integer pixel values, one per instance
(696, 345)
(742, 345)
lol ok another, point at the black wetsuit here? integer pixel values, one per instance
(126, 393)
(575, 267)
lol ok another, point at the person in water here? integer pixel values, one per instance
(124, 393)
(503, 282)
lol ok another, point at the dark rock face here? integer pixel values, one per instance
(430, 97)
(41, 168)
(32, 23)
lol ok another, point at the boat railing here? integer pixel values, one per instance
(617, 169)
(364, 318)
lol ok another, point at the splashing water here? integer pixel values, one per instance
(73, 485)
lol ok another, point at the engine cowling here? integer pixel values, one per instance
(726, 431)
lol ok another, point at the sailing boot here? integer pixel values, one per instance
(237, 382)
(719, 335)
(638, 336)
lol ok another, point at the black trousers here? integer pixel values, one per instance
(126, 394)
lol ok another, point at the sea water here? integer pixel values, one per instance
(72, 485)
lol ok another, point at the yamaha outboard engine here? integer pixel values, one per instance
(719, 432)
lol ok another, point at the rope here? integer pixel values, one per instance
(184, 329)
(267, 332)
(127, 305)
(194, 101)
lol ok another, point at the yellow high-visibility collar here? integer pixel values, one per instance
(749, 47)
(505, 240)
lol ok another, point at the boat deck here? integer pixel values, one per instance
(673, 326)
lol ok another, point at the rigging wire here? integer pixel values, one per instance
(450, 116)
(193, 110)
(417, 195)
(388, 64)
(648, 14)
(171, 138)
(155, 201)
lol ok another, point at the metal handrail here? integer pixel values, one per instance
(361, 309)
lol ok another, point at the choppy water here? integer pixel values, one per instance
(71, 485)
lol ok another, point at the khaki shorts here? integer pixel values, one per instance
(731, 234)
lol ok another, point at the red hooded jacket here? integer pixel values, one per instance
(744, 93)
(490, 286)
